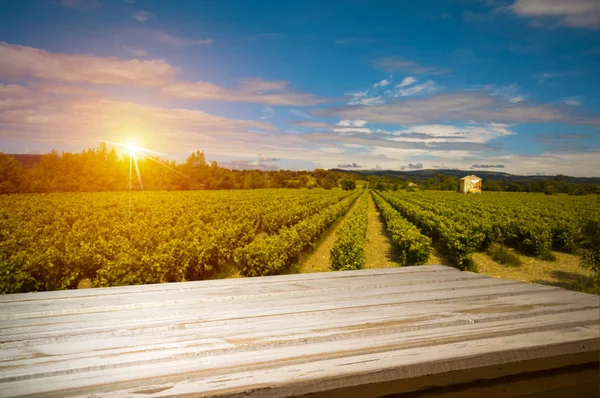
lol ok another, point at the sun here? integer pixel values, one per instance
(132, 147)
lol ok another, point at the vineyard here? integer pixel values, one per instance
(51, 242)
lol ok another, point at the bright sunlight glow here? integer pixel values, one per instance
(132, 147)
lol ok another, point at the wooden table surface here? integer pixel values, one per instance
(428, 329)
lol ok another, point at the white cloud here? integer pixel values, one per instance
(474, 106)
(22, 62)
(573, 13)
(251, 90)
(352, 126)
(141, 16)
(428, 87)
(45, 115)
(407, 81)
(345, 130)
(382, 83)
(356, 123)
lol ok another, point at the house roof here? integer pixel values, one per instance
(470, 177)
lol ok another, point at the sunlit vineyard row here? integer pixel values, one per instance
(55, 241)
(50, 242)
(461, 224)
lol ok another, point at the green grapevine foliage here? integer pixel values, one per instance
(348, 251)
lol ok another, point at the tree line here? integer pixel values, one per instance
(441, 182)
(102, 169)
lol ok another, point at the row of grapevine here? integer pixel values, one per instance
(456, 241)
(51, 242)
(525, 228)
(289, 215)
(412, 246)
(273, 254)
(348, 251)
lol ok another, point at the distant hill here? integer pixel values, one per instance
(29, 160)
(425, 174)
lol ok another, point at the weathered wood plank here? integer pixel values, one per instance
(297, 334)
(228, 283)
(219, 294)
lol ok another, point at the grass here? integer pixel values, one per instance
(565, 272)
(503, 255)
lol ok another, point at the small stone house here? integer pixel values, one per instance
(470, 184)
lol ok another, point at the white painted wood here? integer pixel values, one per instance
(285, 335)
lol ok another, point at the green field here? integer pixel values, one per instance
(57, 241)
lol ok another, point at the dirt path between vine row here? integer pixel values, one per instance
(317, 260)
(380, 251)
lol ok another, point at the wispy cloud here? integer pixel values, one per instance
(141, 16)
(21, 62)
(398, 63)
(300, 113)
(168, 38)
(356, 123)
(471, 132)
(267, 113)
(572, 101)
(407, 81)
(314, 124)
(583, 14)
(382, 83)
(511, 92)
(136, 52)
(362, 98)
(403, 91)
(459, 106)
(43, 116)
(251, 90)
(550, 75)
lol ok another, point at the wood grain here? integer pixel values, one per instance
(357, 333)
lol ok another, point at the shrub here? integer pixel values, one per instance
(348, 185)
(590, 255)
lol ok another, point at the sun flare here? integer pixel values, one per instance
(132, 147)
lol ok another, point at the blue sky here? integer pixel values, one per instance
(474, 84)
